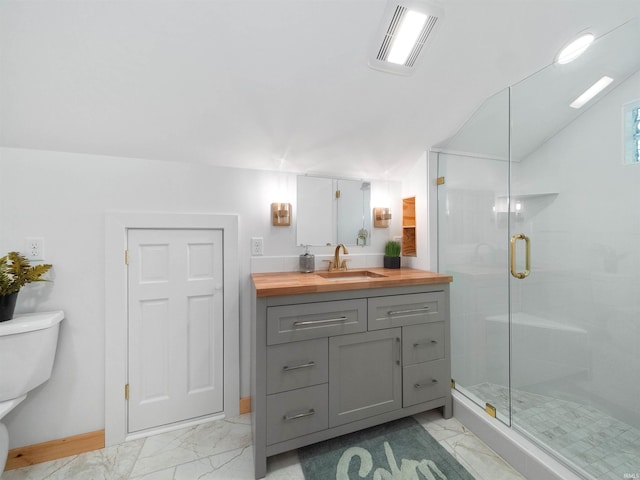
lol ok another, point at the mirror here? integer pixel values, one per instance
(333, 211)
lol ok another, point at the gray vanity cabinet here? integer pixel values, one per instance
(365, 376)
(327, 364)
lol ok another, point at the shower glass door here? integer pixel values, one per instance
(539, 225)
(473, 222)
(575, 318)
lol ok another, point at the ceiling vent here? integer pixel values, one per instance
(405, 29)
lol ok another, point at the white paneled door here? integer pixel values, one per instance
(175, 304)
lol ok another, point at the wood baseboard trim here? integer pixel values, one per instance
(74, 445)
(245, 405)
(54, 449)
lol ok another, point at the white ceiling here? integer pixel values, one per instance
(267, 84)
(538, 107)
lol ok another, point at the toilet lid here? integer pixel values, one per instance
(29, 322)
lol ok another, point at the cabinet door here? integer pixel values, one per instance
(365, 375)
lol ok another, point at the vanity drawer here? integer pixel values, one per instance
(425, 381)
(297, 364)
(401, 310)
(298, 412)
(290, 323)
(423, 343)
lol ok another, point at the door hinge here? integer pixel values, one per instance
(440, 181)
(126, 392)
(337, 193)
(453, 384)
(126, 257)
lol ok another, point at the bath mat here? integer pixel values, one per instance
(397, 450)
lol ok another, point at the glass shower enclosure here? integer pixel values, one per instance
(539, 225)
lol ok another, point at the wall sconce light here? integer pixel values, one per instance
(281, 214)
(381, 217)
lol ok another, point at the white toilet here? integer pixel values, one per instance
(27, 349)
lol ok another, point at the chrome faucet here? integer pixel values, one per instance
(337, 265)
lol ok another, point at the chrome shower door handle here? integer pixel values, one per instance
(512, 249)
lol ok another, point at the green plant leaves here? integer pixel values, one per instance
(392, 249)
(16, 272)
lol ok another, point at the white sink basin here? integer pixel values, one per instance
(350, 275)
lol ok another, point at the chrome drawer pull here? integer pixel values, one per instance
(403, 312)
(317, 322)
(426, 343)
(287, 368)
(423, 385)
(311, 411)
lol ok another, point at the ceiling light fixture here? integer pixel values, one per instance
(405, 28)
(407, 36)
(591, 92)
(576, 48)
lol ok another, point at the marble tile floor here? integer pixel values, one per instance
(600, 446)
(221, 450)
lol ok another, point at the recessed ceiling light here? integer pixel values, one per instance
(405, 28)
(406, 38)
(574, 49)
(591, 92)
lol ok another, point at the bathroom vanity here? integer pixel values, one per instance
(332, 354)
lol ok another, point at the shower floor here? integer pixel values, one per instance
(600, 446)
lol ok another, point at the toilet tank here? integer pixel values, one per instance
(27, 349)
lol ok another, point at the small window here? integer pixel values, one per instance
(632, 132)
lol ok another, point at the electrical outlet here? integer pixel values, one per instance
(34, 248)
(257, 246)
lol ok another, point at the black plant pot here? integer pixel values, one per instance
(7, 306)
(391, 262)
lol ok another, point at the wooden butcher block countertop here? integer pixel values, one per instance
(296, 283)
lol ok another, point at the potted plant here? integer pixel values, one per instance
(15, 273)
(392, 254)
